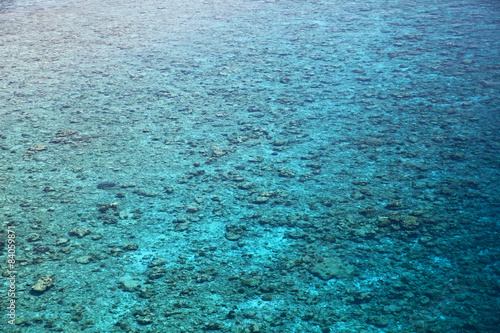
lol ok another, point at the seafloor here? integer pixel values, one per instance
(251, 166)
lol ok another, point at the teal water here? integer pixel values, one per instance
(250, 166)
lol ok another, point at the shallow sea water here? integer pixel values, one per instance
(251, 166)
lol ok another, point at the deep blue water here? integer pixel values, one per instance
(250, 166)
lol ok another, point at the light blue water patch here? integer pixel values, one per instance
(252, 166)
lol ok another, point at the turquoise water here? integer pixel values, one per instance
(250, 166)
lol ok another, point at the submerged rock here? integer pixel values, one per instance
(331, 268)
(105, 185)
(43, 283)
